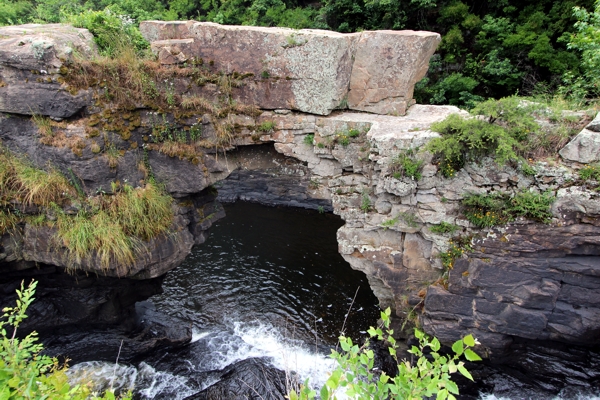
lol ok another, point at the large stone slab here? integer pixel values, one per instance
(305, 70)
(387, 65)
(313, 71)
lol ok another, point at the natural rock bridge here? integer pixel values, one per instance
(337, 110)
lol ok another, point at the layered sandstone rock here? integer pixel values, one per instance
(312, 71)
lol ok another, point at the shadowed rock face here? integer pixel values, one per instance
(312, 71)
(524, 281)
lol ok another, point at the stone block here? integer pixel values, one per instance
(313, 71)
(583, 148)
(387, 64)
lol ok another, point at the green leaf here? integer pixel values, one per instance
(324, 392)
(452, 387)
(464, 372)
(469, 340)
(471, 355)
(435, 345)
(458, 347)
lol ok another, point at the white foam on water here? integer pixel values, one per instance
(259, 339)
(149, 382)
(103, 375)
(156, 383)
(196, 335)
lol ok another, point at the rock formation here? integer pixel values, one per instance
(525, 280)
(312, 71)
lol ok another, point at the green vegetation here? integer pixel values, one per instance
(267, 126)
(109, 227)
(590, 172)
(408, 217)
(427, 376)
(488, 49)
(406, 164)
(504, 129)
(365, 203)
(458, 246)
(444, 227)
(25, 373)
(309, 139)
(487, 210)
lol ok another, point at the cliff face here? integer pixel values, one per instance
(526, 280)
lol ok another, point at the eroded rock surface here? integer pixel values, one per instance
(30, 59)
(305, 70)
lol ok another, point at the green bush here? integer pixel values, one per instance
(25, 373)
(443, 227)
(487, 210)
(507, 124)
(429, 375)
(112, 30)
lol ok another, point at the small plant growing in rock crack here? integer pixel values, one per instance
(314, 183)
(444, 227)
(365, 204)
(590, 173)
(458, 246)
(265, 74)
(406, 164)
(309, 139)
(428, 376)
(267, 126)
(487, 210)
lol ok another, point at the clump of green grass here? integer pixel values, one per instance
(109, 227)
(113, 231)
(444, 227)
(31, 186)
(309, 139)
(8, 221)
(487, 210)
(267, 126)
(406, 164)
(590, 172)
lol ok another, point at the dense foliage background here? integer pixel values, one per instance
(489, 48)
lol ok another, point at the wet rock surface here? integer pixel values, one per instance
(252, 378)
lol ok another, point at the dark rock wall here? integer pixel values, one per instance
(526, 281)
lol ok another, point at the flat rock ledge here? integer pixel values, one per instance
(313, 71)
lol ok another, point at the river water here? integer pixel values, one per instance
(268, 282)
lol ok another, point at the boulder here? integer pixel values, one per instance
(30, 60)
(306, 70)
(583, 148)
(387, 65)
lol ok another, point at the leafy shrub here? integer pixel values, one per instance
(508, 122)
(24, 372)
(428, 376)
(487, 210)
